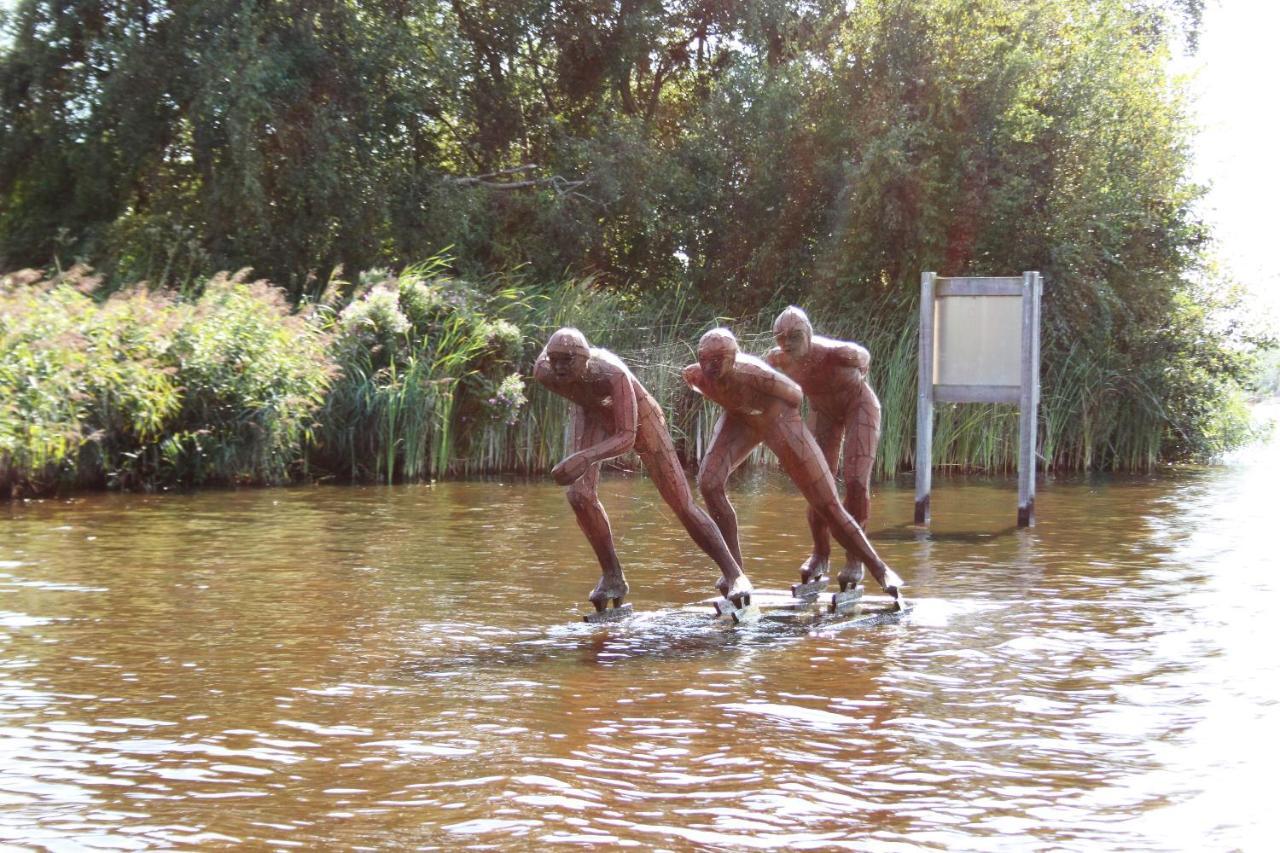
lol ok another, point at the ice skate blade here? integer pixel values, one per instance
(810, 589)
(612, 614)
(845, 602)
(744, 615)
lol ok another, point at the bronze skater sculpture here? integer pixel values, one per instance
(611, 413)
(842, 410)
(763, 405)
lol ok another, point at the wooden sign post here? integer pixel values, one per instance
(979, 343)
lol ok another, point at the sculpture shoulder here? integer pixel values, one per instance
(606, 370)
(604, 365)
(842, 353)
(758, 371)
(607, 365)
(753, 366)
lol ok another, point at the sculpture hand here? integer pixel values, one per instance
(570, 469)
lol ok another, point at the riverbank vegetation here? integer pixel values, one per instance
(641, 170)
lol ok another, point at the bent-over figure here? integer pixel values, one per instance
(611, 413)
(843, 409)
(763, 405)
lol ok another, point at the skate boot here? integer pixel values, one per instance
(609, 590)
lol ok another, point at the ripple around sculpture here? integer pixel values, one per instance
(403, 667)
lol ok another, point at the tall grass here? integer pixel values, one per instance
(1094, 413)
(425, 374)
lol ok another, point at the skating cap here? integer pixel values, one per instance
(568, 341)
(791, 318)
(717, 342)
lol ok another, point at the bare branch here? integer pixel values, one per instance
(563, 186)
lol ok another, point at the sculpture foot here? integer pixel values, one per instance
(609, 589)
(850, 576)
(889, 582)
(813, 568)
(738, 592)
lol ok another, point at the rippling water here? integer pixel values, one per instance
(402, 667)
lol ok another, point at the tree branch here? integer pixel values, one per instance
(563, 186)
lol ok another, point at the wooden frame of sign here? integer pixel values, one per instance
(979, 343)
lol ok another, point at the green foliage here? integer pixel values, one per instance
(687, 157)
(143, 390)
(404, 377)
(426, 375)
(1266, 382)
(253, 374)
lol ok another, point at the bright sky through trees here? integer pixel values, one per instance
(1236, 84)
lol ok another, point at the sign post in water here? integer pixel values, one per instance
(979, 343)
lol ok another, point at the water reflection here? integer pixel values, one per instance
(404, 667)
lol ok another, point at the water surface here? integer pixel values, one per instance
(403, 667)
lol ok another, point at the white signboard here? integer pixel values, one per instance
(979, 343)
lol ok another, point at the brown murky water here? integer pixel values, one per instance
(372, 667)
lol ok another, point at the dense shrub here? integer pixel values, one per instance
(398, 378)
(143, 390)
(252, 374)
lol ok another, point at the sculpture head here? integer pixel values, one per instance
(716, 353)
(567, 352)
(793, 332)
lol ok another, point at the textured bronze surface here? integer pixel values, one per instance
(610, 414)
(762, 404)
(843, 411)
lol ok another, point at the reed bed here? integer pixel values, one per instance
(1094, 413)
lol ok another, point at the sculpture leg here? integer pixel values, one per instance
(826, 432)
(861, 439)
(595, 526)
(730, 446)
(664, 468)
(803, 461)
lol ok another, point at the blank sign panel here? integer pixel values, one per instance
(978, 341)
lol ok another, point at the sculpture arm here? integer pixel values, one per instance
(623, 437)
(693, 377)
(577, 428)
(575, 464)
